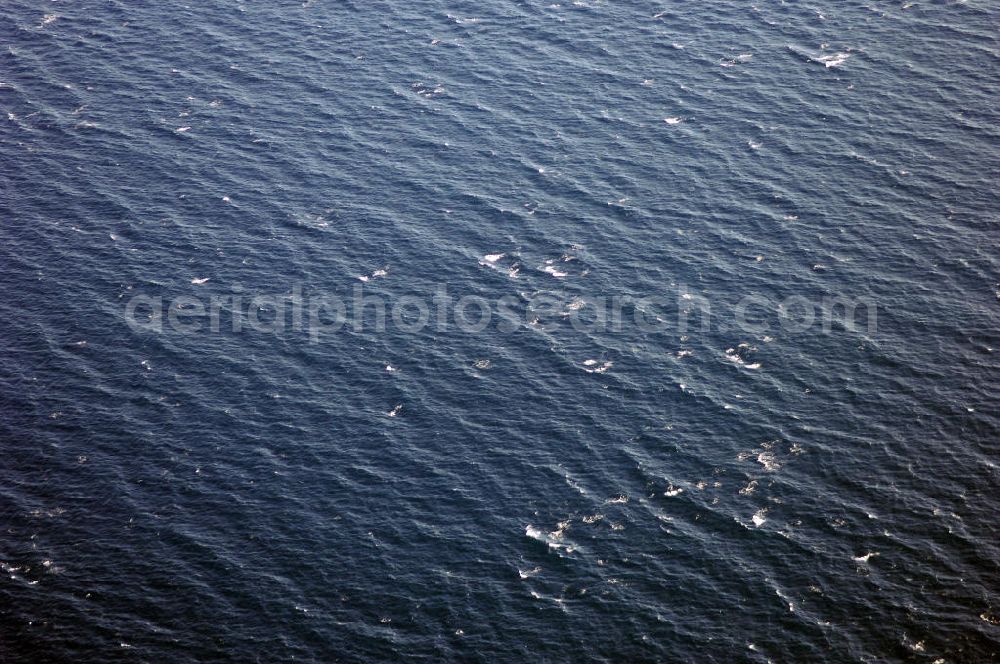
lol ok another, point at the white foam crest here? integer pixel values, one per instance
(833, 60)
(594, 368)
(554, 539)
(554, 272)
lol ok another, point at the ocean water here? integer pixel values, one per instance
(708, 490)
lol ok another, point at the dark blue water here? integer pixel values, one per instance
(536, 491)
